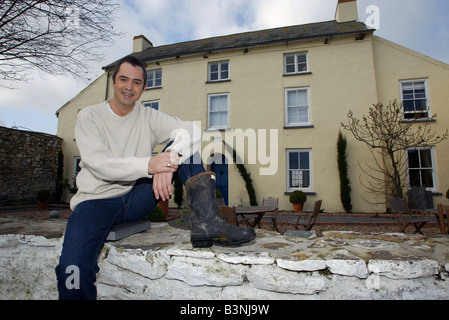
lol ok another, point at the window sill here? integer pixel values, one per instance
(296, 74)
(218, 81)
(419, 120)
(299, 126)
(153, 88)
(310, 193)
(217, 129)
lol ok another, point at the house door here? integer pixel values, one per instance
(221, 172)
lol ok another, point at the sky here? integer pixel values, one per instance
(421, 25)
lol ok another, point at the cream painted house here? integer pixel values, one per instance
(278, 97)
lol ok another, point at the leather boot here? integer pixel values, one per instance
(207, 226)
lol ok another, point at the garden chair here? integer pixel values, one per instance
(402, 214)
(272, 203)
(306, 221)
(228, 214)
(443, 219)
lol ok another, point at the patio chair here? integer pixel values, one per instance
(228, 214)
(402, 214)
(271, 215)
(270, 202)
(443, 219)
(305, 221)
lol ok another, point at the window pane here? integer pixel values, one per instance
(295, 178)
(427, 178)
(304, 160)
(214, 104)
(302, 97)
(290, 59)
(415, 181)
(293, 160)
(293, 115)
(421, 104)
(426, 158)
(224, 66)
(413, 159)
(302, 58)
(306, 178)
(214, 76)
(409, 106)
(214, 67)
(292, 98)
(214, 119)
(223, 103)
(302, 67)
(303, 114)
(224, 75)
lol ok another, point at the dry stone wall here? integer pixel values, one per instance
(28, 163)
(160, 264)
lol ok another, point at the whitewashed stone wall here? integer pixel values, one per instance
(161, 264)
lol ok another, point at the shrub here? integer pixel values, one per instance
(43, 195)
(157, 215)
(298, 196)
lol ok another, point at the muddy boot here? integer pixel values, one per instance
(207, 226)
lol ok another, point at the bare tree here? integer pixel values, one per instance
(55, 36)
(384, 130)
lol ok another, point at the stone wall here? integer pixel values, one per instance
(28, 163)
(160, 264)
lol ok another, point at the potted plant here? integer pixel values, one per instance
(297, 198)
(42, 197)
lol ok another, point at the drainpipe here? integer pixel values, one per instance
(107, 85)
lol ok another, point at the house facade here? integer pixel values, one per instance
(278, 98)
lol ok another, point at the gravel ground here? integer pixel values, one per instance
(429, 229)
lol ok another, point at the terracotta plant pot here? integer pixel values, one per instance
(164, 206)
(42, 205)
(298, 206)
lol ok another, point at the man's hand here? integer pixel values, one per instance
(162, 167)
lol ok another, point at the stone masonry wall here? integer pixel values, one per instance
(160, 264)
(28, 163)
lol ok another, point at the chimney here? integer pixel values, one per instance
(346, 11)
(141, 43)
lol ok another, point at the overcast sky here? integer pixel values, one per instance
(421, 25)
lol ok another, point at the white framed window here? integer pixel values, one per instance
(299, 170)
(297, 107)
(296, 63)
(415, 99)
(154, 79)
(421, 170)
(218, 110)
(218, 71)
(152, 104)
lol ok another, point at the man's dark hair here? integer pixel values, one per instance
(135, 63)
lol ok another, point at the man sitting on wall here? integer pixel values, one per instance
(120, 181)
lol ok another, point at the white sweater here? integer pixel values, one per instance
(115, 151)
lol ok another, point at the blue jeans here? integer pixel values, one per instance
(89, 226)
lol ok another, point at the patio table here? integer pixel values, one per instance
(257, 211)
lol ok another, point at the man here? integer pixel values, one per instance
(120, 181)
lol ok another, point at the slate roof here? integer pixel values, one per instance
(320, 30)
